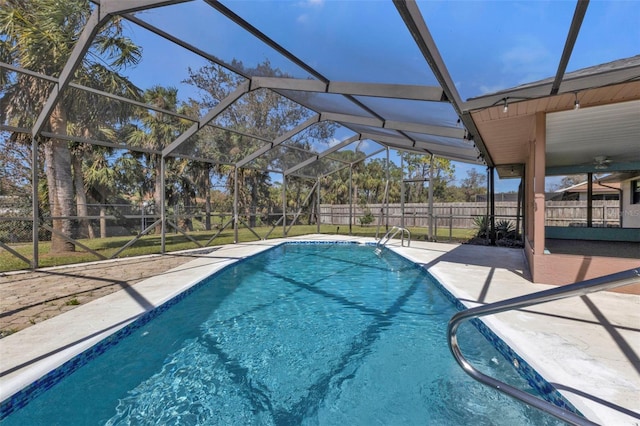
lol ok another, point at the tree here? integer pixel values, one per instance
(262, 113)
(473, 185)
(41, 38)
(417, 166)
(155, 131)
(567, 181)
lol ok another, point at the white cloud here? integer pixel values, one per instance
(307, 4)
(334, 142)
(528, 58)
(314, 3)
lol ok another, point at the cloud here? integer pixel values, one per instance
(307, 4)
(334, 142)
(313, 3)
(528, 58)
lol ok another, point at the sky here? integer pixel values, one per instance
(486, 46)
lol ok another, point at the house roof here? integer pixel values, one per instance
(612, 187)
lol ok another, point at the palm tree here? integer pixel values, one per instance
(40, 37)
(155, 131)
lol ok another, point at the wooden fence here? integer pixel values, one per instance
(461, 215)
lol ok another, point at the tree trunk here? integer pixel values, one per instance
(60, 183)
(103, 220)
(207, 209)
(254, 201)
(84, 229)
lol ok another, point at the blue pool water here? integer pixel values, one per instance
(303, 334)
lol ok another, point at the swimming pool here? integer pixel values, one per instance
(300, 334)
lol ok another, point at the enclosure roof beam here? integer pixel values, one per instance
(281, 139)
(447, 132)
(216, 111)
(82, 45)
(351, 164)
(576, 23)
(315, 158)
(98, 142)
(264, 38)
(396, 91)
(98, 18)
(112, 7)
(350, 118)
(412, 18)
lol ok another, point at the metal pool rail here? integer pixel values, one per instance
(582, 288)
(392, 233)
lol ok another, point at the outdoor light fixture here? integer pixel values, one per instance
(576, 103)
(506, 106)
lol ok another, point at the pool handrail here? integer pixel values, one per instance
(389, 236)
(608, 282)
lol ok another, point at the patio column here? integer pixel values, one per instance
(538, 184)
(590, 200)
(402, 191)
(492, 206)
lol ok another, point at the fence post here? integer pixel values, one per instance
(450, 223)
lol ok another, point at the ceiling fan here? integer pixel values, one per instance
(601, 162)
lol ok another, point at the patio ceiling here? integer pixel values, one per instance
(404, 100)
(604, 127)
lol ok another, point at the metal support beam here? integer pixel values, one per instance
(318, 215)
(353, 119)
(278, 141)
(264, 38)
(81, 47)
(576, 23)
(323, 154)
(412, 17)
(35, 211)
(242, 89)
(284, 206)
(235, 205)
(350, 196)
(395, 91)
(402, 192)
(112, 7)
(163, 207)
(492, 213)
(590, 200)
(98, 18)
(431, 174)
(386, 192)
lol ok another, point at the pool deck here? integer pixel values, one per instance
(588, 347)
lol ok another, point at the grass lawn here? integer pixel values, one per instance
(150, 244)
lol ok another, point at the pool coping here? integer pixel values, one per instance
(32, 353)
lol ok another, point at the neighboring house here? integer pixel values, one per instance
(600, 191)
